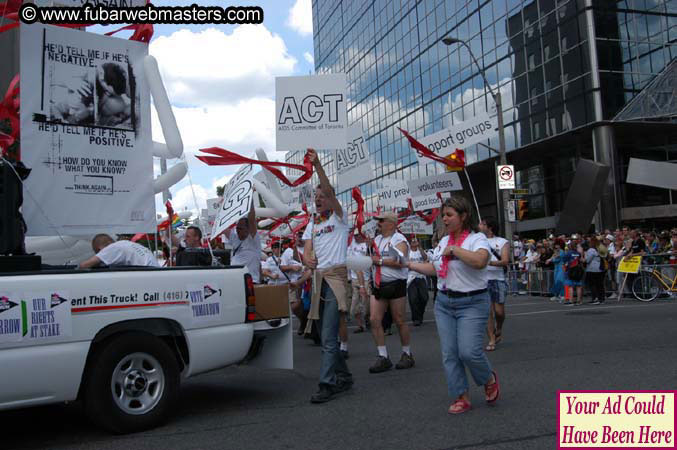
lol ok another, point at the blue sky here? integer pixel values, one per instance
(221, 82)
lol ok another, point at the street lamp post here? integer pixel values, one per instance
(504, 219)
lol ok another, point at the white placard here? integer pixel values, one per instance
(461, 135)
(426, 186)
(10, 317)
(48, 315)
(310, 111)
(370, 228)
(205, 303)
(506, 177)
(85, 133)
(393, 194)
(415, 225)
(213, 206)
(426, 202)
(237, 199)
(352, 164)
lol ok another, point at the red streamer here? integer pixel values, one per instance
(143, 32)
(227, 158)
(359, 214)
(456, 161)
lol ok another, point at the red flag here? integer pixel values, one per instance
(359, 214)
(456, 161)
(226, 158)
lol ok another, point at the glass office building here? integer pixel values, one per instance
(565, 70)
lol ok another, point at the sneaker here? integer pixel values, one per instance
(381, 365)
(344, 353)
(389, 332)
(343, 385)
(406, 362)
(323, 395)
(596, 302)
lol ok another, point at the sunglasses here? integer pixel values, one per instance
(380, 220)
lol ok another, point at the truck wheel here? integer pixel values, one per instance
(132, 384)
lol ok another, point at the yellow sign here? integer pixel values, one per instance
(630, 264)
(616, 419)
(452, 158)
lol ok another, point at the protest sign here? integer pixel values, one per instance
(310, 111)
(393, 194)
(425, 202)
(352, 164)
(85, 133)
(432, 185)
(630, 264)
(11, 323)
(48, 315)
(460, 135)
(237, 199)
(415, 225)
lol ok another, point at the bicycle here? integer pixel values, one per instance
(650, 283)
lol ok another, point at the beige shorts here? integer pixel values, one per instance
(294, 295)
(359, 305)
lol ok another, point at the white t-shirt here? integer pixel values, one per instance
(246, 253)
(415, 256)
(493, 272)
(329, 240)
(127, 253)
(271, 266)
(460, 276)
(358, 249)
(384, 244)
(287, 259)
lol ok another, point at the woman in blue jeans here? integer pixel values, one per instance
(462, 306)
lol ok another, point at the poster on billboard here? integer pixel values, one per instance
(85, 133)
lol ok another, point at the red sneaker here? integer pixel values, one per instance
(460, 406)
(492, 390)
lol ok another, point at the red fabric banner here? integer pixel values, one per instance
(359, 214)
(227, 158)
(455, 161)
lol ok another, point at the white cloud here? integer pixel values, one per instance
(309, 58)
(301, 17)
(210, 66)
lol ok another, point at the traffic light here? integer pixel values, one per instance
(522, 209)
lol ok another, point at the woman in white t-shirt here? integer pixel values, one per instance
(390, 251)
(462, 306)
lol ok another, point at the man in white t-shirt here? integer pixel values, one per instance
(417, 287)
(246, 245)
(271, 268)
(325, 239)
(498, 288)
(120, 253)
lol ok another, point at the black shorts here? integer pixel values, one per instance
(390, 290)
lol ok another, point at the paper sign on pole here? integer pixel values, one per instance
(85, 133)
(506, 176)
(630, 264)
(461, 135)
(370, 228)
(237, 199)
(352, 164)
(512, 215)
(213, 206)
(415, 225)
(310, 111)
(445, 182)
(426, 202)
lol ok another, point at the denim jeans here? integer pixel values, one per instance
(461, 324)
(333, 365)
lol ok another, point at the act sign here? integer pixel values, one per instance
(310, 111)
(506, 176)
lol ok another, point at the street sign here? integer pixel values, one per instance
(511, 211)
(506, 177)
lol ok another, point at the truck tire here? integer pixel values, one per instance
(132, 383)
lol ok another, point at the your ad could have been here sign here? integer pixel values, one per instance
(310, 111)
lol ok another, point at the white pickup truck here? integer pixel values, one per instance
(120, 340)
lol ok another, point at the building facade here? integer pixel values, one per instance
(564, 68)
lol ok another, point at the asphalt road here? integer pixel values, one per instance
(546, 347)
